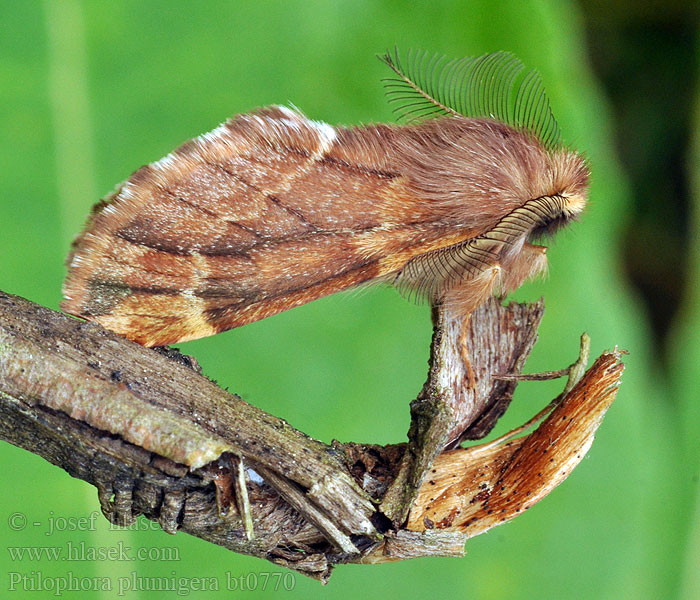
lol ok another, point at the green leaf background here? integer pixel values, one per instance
(89, 91)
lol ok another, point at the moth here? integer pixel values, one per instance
(271, 210)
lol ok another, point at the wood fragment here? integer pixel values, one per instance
(477, 488)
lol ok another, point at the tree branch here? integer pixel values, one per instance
(159, 439)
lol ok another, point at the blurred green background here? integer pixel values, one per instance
(91, 90)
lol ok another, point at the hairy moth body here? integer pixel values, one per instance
(272, 210)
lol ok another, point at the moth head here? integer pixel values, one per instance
(570, 186)
(564, 193)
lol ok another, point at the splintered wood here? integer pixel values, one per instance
(477, 488)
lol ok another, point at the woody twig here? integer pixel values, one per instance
(160, 440)
(51, 362)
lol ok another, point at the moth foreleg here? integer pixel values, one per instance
(464, 351)
(462, 300)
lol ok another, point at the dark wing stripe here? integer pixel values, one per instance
(264, 194)
(221, 311)
(211, 213)
(289, 209)
(129, 234)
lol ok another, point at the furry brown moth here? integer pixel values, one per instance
(271, 210)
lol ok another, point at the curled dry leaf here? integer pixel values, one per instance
(474, 489)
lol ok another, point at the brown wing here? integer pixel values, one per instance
(266, 212)
(272, 210)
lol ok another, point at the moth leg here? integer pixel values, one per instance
(464, 351)
(461, 301)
